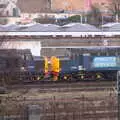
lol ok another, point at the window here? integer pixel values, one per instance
(2, 5)
(3, 63)
(28, 57)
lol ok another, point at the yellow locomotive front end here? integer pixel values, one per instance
(52, 67)
(55, 67)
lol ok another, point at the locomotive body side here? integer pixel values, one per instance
(87, 67)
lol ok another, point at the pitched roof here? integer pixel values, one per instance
(43, 28)
(37, 27)
(111, 27)
(78, 27)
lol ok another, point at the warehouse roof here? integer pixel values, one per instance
(11, 27)
(43, 28)
(78, 27)
(113, 27)
(37, 27)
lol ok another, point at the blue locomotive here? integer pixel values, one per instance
(87, 67)
(83, 64)
(97, 63)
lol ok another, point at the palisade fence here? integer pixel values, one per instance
(79, 108)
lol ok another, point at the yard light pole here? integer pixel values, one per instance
(118, 93)
(85, 18)
(117, 13)
(117, 18)
(81, 18)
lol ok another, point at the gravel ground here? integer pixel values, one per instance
(77, 105)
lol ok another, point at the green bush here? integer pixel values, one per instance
(75, 18)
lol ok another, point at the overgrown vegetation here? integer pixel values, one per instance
(3, 21)
(95, 16)
(75, 18)
(44, 20)
(115, 9)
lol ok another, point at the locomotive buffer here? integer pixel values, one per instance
(118, 91)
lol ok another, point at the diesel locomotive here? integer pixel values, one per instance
(18, 66)
(87, 63)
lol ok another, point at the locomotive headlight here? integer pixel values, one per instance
(65, 77)
(82, 76)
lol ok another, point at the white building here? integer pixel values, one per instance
(9, 8)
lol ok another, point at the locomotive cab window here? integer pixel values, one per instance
(3, 63)
(28, 57)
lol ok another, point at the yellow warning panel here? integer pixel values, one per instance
(46, 65)
(55, 64)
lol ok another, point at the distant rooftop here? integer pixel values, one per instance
(37, 27)
(111, 27)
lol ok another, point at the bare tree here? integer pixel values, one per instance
(115, 8)
(95, 16)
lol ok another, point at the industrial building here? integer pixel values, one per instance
(46, 39)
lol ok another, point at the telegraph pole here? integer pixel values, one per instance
(118, 93)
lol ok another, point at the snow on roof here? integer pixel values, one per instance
(110, 24)
(70, 24)
(78, 27)
(113, 27)
(10, 27)
(3, 27)
(37, 27)
(43, 28)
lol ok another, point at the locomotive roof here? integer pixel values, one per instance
(14, 51)
(83, 47)
(111, 50)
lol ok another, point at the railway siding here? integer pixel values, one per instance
(54, 108)
(62, 101)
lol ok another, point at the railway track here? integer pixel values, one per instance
(81, 106)
(67, 87)
(75, 89)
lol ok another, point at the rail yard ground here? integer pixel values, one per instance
(61, 101)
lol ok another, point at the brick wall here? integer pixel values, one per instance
(75, 4)
(32, 6)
